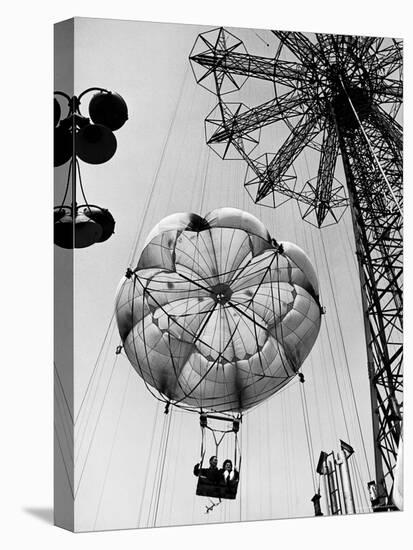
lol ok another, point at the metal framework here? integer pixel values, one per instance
(341, 96)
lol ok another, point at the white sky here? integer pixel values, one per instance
(148, 65)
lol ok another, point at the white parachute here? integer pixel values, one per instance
(217, 316)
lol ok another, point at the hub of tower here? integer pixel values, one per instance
(349, 104)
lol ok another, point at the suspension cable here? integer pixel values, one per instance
(346, 362)
(156, 473)
(168, 420)
(149, 456)
(308, 435)
(372, 150)
(60, 384)
(96, 425)
(95, 367)
(158, 169)
(114, 439)
(90, 401)
(363, 493)
(357, 492)
(64, 462)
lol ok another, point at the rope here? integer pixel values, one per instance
(122, 406)
(346, 361)
(343, 410)
(288, 461)
(88, 392)
(95, 366)
(262, 40)
(343, 346)
(67, 430)
(148, 462)
(95, 427)
(84, 421)
(156, 473)
(308, 435)
(63, 392)
(345, 357)
(155, 180)
(203, 449)
(323, 380)
(178, 440)
(201, 204)
(357, 492)
(372, 150)
(163, 461)
(363, 485)
(64, 462)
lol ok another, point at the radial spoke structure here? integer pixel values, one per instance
(341, 96)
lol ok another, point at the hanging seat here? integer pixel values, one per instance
(207, 488)
(211, 483)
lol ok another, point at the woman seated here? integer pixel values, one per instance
(229, 478)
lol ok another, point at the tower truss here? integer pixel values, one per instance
(342, 97)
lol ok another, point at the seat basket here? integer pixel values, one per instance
(206, 488)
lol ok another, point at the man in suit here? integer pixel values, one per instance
(212, 474)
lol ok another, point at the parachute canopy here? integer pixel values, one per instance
(216, 315)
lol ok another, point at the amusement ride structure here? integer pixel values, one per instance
(340, 96)
(216, 316)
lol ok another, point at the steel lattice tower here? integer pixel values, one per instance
(341, 96)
